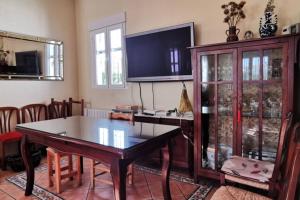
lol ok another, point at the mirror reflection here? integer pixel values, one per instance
(30, 57)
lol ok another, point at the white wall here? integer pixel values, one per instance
(145, 15)
(45, 18)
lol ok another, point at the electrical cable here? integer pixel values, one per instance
(153, 107)
(141, 97)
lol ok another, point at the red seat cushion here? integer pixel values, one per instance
(10, 136)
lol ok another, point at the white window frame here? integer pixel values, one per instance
(58, 60)
(106, 30)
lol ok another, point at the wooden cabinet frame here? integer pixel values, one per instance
(290, 51)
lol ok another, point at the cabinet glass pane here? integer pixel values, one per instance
(225, 66)
(208, 126)
(272, 108)
(270, 136)
(251, 65)
(250, 120)
(272, 100)
(225, 123)
(208, 68)
(272, 64)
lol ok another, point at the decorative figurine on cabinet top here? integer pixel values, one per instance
(234, 14)
(268, 24)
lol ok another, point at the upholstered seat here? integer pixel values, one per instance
(261, 171)
(232, 193)
(9, 117)
(11, 136)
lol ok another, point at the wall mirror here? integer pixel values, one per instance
(30, 57)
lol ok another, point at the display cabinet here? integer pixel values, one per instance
(242, 90)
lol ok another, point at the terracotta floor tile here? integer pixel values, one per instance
(4, 196)
(186, 188)
(101, 194)
(138, 192)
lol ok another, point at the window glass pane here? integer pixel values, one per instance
(51, 50)
(272, 64)
(208, 68)
(225, 66)
(225, 123)
(101, 77)
(251, 65)
(208, 122)
(116, 67)
(250, 120)
(100, 42)
(116, 38)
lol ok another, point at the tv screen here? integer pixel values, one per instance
(160, 55)
(27, 63)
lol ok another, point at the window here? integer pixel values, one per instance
(54, 60)
(108, 57)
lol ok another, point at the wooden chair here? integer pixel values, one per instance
(103, 168)
(287, 185)
(34, 112)
(260, 174)
(71, 104)
(60, 110)
(9, 117)
(56, 156)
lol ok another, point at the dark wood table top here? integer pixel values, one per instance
(110, 135)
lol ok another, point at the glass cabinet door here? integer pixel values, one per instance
(261, 102)
(217, 94)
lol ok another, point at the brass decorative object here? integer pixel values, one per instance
(185, 104)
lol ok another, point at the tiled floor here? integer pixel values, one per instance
(146, 186)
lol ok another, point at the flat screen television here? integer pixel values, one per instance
(27, 63)
(160, 55)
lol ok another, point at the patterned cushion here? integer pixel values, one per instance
(232, 193)
(254, 169)
(11, 136)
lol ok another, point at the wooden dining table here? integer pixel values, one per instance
(114, 142)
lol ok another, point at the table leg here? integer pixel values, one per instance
(167, 159)
(28, 165)
(81, 163)
(118, 172)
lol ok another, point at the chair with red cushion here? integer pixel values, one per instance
(9, 117)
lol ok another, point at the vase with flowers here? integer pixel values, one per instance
(233, 14)
(268, 23)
